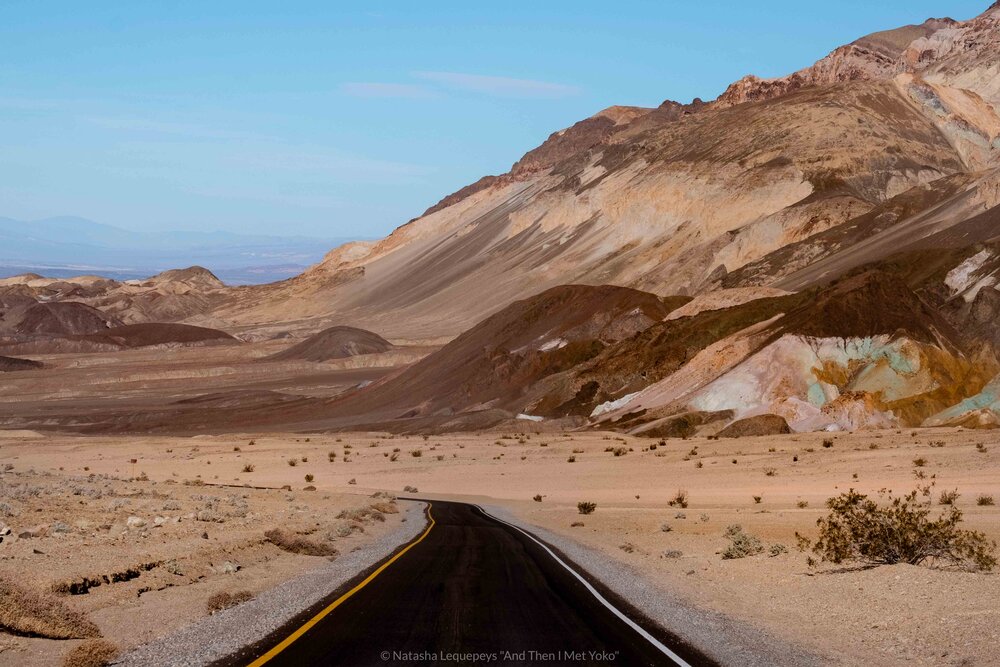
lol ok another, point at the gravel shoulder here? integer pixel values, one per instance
(217, 636)
(726, 640)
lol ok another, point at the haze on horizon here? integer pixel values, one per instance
(331, 121)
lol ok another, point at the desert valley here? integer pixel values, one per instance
(661, 342)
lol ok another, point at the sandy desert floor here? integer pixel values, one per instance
(142, 556)
(890, 615)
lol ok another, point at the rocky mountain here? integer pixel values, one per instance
(675, 200)
(819, 251)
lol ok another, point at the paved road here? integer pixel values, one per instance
(471, 591)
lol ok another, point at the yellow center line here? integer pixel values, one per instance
(267, 657)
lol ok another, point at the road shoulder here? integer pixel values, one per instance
(223, 634)
(722, 638)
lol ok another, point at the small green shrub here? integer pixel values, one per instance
(741, 544)
(897, 531)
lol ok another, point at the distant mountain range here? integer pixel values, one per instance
(68, 246)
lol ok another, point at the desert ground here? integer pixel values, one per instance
(75, 495)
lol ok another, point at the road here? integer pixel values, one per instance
(471, 590)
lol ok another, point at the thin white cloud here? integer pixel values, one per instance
(500, 86)
(373, 89)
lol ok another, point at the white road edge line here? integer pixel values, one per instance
(681, 662)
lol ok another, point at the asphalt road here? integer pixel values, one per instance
(472, 591)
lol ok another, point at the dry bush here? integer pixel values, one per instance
(948, 497)
(25, 612)
(741, 544)
(984, 500)
(385, 507)
(680, 499)
(297, 544)
(899, 531)
(362, 514)
(248, 467)
(224, 600)
(91, 653)
(586, 507)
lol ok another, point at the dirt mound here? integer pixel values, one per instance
(147, 335)
(684, 425)
(66, 318)
(335, 343)
(755, 426)
(8, 364)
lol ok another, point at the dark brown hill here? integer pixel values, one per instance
(495, 362)
(334, 343)
(64, 318)
(147, 335)
(8, 364)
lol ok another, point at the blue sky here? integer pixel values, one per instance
(349, 118)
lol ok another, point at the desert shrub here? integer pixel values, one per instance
(293, 462)
(777, 550)
(224, 600)
(571, 459)
(680, 499)
(672, 553)
(628, 547)
(948, 497)
(28, 613)
(666, 527)
(619, 451)
(91, 653)
(898, 531)
(248, 467)
(586, 507)
(385, 507)
(576, 524)
(410, 489)
(757, 500)
(827, 443)
(416, 453)
(309, 478)
(331, 456)
(920, 462)
(741, 544)
(984, 500)
(537, 498)
(802, 504)
(297, 544)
